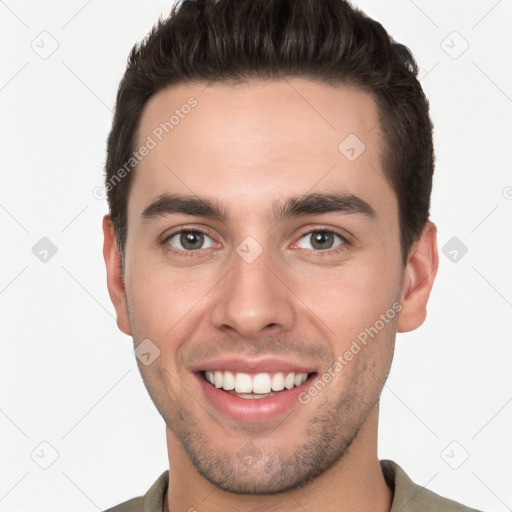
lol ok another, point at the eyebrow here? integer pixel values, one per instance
(309, 204)
(168, 204)
(317, 204)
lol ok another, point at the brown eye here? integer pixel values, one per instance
(190, 240)
(321, 240)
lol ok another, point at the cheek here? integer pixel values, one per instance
(351, 298)
(163, 299)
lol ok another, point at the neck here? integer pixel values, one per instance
(355, 483)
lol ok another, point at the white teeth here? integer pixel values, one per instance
(289, 381)
(278, 382)
(228, 381)
(261, 383)
(243, 383)
(252, 396)
(300, 378)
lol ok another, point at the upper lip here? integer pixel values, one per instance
(245, 365)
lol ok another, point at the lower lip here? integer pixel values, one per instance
(255, 410)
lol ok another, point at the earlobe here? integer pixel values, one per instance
(419, 275)
(115, 283)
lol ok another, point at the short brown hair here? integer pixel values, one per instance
(322, 40)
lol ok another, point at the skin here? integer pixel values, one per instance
(251, 146)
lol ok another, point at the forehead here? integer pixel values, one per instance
(249, 144)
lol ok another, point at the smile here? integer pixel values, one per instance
(253, 397)
(260, 385)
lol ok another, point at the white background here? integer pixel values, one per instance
(68, 377)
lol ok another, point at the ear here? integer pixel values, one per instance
(419, 274)
(115, 282)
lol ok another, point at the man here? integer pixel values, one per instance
(269, 172)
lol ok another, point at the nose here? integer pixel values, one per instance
(253, 297)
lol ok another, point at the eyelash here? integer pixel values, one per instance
(345, 242)
(341, 247)
(179, 252)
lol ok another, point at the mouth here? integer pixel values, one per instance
(255, 386)
(253, 397)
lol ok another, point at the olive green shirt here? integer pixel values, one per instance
(407, 496)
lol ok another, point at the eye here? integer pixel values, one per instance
(321, 240)
(189, 240)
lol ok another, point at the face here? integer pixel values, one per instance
(263, 242)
